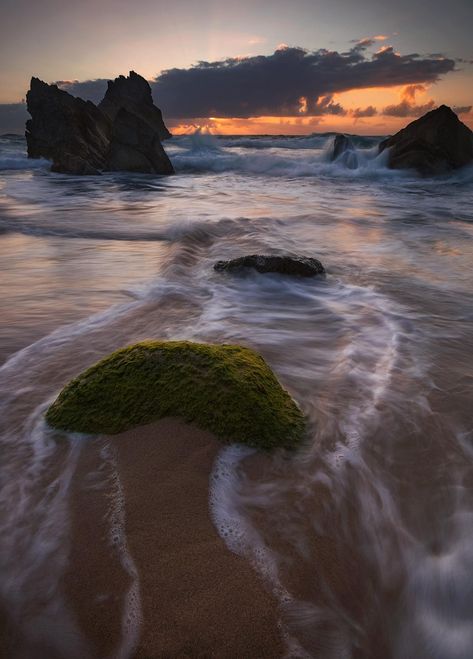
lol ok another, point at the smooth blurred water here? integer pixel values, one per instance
(366, 535)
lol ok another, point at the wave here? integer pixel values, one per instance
(314, 141)
(188, 231)
(276, 156)
(56, 230)
(284, 156)
(370, 164)
(21, 162)
(204, 140)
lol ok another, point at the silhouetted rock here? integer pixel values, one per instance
(122, 134)
(436, 143)
(345, 151)
(286, 265)
(71, 132)
(134, 95)
(135, 146)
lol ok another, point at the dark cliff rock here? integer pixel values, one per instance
(287, 265)
(71, 132)
(134, 95)
(135, 146)
(436, 143)
(122, 134)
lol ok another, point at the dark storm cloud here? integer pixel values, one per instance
(290, 82)
(89, 90)
(274, 84)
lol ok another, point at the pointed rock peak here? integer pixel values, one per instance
(443, 112)
(133, 93)
(37, 85)
(445, 109)
(41, 92)
(132, 88)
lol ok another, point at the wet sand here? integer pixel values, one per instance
(198, 599)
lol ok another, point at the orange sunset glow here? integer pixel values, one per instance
(352, 101)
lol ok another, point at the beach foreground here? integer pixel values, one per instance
(197, 598)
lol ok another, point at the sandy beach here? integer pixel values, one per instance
(198, 599)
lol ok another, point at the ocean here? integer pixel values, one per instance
(365, 535)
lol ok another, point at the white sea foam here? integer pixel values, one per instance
(240, 535)
(132, 614)
(368, 352)
(19, 162)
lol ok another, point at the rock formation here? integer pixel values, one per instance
(134, 95)
(122, 134)
(344, 150)
(227, 389)
(436, 143)
(71, 132)
(286, 265)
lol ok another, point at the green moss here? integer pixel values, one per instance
(227, 389)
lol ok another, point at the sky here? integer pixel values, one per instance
(253, 66)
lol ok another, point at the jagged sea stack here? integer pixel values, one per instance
(122, 134)
(437, 143)
(133, 94)
(72, 133)
(137, 127)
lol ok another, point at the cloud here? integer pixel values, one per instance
(462, 109)
(89, 90)
(408, 106)
(366, 42)
(406, 109)
(290, 82)
(274, 84)
(361, 113)
(326, 105)
(256, 41)
(409, 92)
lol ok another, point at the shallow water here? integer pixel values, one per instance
(366, 534)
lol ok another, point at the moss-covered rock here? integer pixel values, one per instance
(227, 389)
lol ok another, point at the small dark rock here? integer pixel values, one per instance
(437, 143)
(343, 147)
(286, 265)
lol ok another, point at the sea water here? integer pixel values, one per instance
(366, 535)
